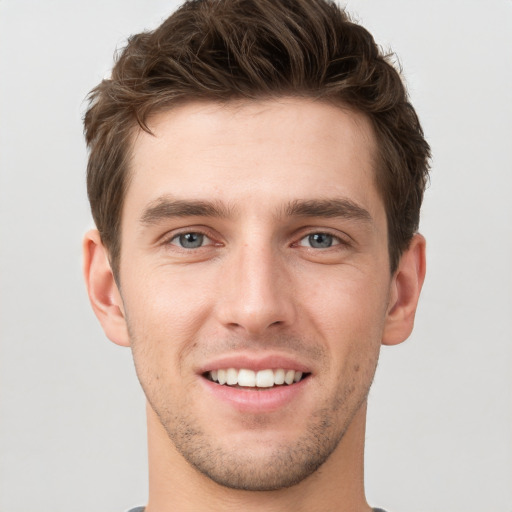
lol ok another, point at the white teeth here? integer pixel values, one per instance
(231, 377)
(221, 376)
(247, 378)
(279, 377)
(289, 376)
(250, 379)
(265, 379)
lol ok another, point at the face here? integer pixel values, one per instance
(255, 282)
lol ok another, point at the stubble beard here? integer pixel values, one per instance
(284, 465)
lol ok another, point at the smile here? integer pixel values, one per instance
(243, 377)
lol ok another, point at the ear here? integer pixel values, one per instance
(102, 289)
(405, 292)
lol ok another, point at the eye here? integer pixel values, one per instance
(190, 240)
(319, 241)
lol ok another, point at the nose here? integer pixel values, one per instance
(256, 292)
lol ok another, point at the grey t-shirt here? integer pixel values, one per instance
(141, 509)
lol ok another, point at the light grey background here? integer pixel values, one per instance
(72, 430)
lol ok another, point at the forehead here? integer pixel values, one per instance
(275, 150)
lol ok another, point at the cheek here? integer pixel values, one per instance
(350, 304)
(164, 315)
(167, 301)
(348, 314)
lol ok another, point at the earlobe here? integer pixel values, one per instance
(405, 291)
(102, 289)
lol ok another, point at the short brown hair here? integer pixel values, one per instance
(221, 50)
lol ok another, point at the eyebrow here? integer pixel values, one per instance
(328, 208)
(167, 207)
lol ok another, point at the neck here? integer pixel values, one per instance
(174, 485)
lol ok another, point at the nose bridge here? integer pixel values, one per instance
(258, 293)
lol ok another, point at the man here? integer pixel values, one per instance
(255, 174)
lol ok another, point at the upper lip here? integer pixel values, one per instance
(255, 362)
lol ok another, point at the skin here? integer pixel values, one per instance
(257, 286)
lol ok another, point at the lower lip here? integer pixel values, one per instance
(256, 400)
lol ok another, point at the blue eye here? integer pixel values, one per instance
(189, 240)
(319, 241)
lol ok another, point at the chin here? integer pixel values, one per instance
(260, 460)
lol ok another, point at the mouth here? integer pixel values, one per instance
(244, 378)
(257, 383)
